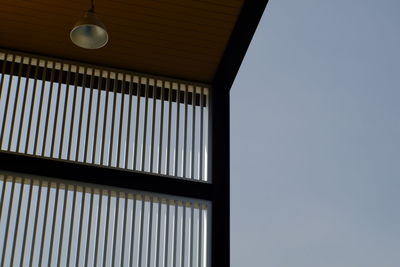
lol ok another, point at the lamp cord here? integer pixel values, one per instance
(92, 6)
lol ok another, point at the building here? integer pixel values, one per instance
(118, 156)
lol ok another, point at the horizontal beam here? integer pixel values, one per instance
(94, 174)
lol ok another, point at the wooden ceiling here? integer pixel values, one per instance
(178, 38)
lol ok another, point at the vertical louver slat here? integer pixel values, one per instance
(33, 95)
(191, 241)
(53, 225)
(72, 118)
(141, 227)
(15, 105)
(115, 228)
(121, 120)
(128, 128)
(25, 92)
(64, 114)
(157, 258)
(200, 254)
(136, 150)
(103, 136)
(185, 132)
(124, 234)
(176, 158)
(88, 236)
(96, 246)
(89, 117)
(131, 259)
(112, 129)
(168, 152)
(80, 226)
(166, 231)
(70, 239)
(106, 235)
(16, 228)
(50, 91)
(144, 136)
(160, 142)
(149, 232)
(44, 225)
(25, 231)
(201, 163)
(153, 126)
(192, 152)
(183, 234)
(54, 124)
(96, 126)
(60, 247)
(81, 113)
(175, 238)
(6, 107)
(7, 226)
(35, 227)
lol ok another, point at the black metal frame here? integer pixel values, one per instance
(235, 51)
(217, 191)
(96, 174)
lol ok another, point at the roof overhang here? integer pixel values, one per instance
(202, 41)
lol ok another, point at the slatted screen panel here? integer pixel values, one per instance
(94, 115)
(47, 222)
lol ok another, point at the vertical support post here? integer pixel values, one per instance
(219, 130)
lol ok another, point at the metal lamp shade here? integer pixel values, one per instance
(89, 32)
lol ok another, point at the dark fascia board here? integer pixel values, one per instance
(239, 41)
(94, 174)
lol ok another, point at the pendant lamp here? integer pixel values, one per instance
(89, 32)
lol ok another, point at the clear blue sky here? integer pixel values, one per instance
(315, 165)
